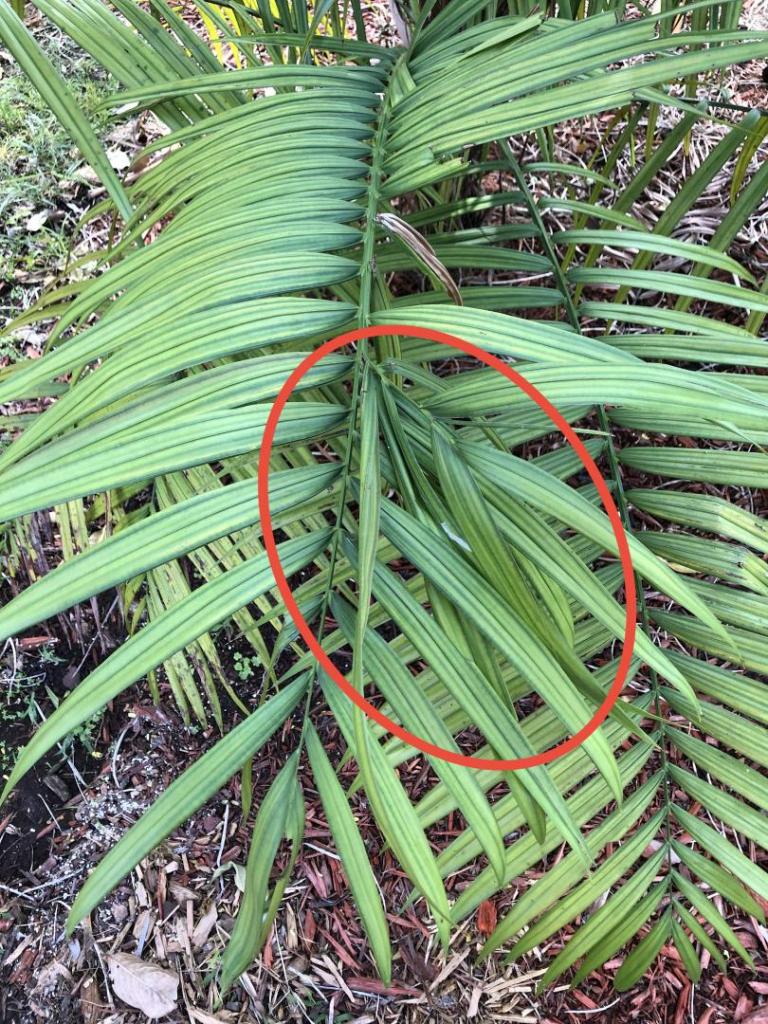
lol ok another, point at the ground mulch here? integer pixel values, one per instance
(177, 908)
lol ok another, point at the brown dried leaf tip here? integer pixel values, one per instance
(422, 250)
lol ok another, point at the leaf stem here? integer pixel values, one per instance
(367, 276)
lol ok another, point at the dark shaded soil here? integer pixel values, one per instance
(41, 794)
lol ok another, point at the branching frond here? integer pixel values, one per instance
(431, 525)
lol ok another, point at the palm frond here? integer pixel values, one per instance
(322, 194)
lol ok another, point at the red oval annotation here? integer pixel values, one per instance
(441, 337)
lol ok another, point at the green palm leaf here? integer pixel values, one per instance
(472, 580)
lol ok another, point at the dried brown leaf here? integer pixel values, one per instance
(758, 1016)
(422, 250)
(91, 1004)
(143, 985)
(486, 917)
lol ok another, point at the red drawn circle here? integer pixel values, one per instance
(469, 761)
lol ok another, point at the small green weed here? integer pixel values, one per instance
(40, 195)
(17, 706)
(24, 707)
(245, 666)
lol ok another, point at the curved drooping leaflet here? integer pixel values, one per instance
(333, 193)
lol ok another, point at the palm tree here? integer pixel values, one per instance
(428, 523)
